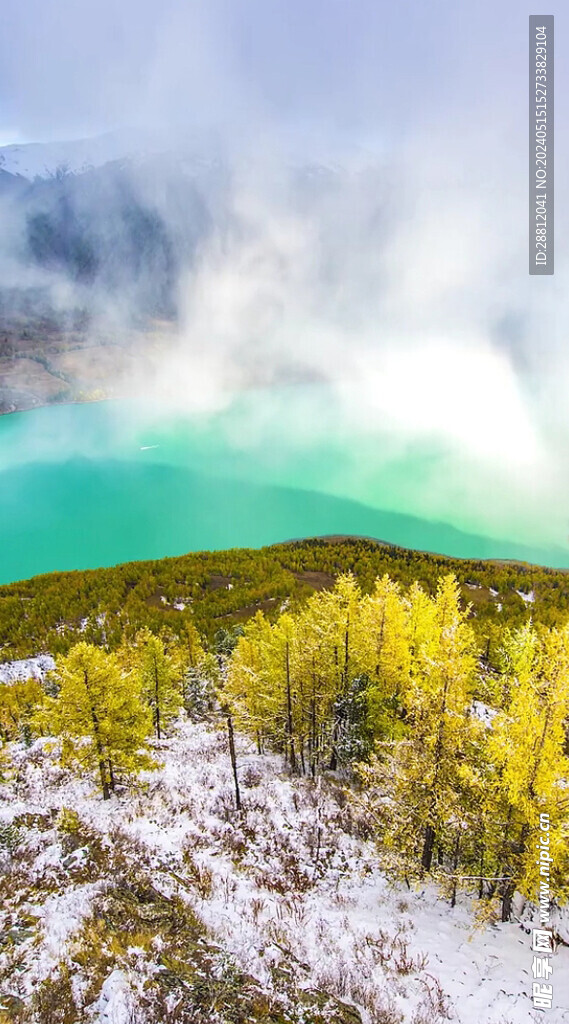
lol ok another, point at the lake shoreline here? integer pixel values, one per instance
(54, 405)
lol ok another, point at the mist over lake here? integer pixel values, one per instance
(88, 485)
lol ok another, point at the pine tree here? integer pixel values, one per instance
(200, 686)
(251, 689)
(527, 749)
(383, 652)
(100, 715)
(19, 706)
(331, 627)
(161, 674)
(318, 676)
(428, 765)
(280, 667)
(191, 646)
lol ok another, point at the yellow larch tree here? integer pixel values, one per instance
(527, 750)
(100, 715)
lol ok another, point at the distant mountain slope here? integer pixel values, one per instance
(124, 229)
(103, 241)
(43, 159)
(10, 181)
(120, 217)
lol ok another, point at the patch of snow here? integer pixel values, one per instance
(26, 668)
(482, 711)
(61, 916)
(115, 1004)
(528, 598)
(559, 919)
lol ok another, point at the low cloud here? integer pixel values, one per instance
(361, 253)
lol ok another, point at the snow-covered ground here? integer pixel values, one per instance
(291, 881)
(27, 668)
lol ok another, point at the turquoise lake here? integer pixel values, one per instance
(95, 484)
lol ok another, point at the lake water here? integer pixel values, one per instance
(90, 485)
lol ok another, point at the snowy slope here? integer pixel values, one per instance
(43, 159)
(291, 883)
(26, 668)
(46, 159)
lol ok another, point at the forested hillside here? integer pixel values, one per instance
(219, 590)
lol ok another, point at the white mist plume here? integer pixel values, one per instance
(396, 271)
(404, 305)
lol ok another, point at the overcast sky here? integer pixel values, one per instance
(341, 69)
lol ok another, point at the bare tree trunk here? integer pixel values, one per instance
(290, 715)
(313, 739)
(157, 699)
(104, 783)
(302, 762)
(507, 896)
(481, 882)
(430, 832)
(428, 847)
(333, 764)
(98, 742)
(233, 760)
(455, 868)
